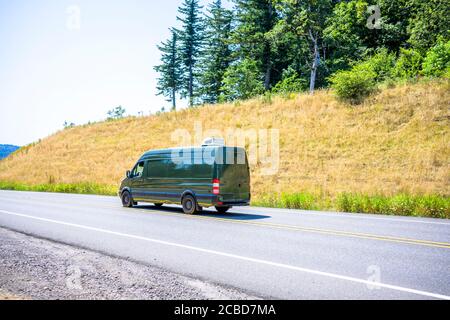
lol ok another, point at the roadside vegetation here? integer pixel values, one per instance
(79, 188)
(433, 206)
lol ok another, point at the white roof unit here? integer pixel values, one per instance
(213, 142)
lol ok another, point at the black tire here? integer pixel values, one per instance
(189, 204)
(158, 205)
(222, 209)
(127, 200)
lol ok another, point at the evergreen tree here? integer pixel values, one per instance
(255, 19)
(217, 54)
(191, 41)
(170, 70)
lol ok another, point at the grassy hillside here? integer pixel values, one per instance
(397, 142)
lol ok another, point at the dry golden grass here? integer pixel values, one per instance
(397, 141)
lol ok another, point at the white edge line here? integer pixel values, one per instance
(270, 263)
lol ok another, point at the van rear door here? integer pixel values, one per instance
(235, 176)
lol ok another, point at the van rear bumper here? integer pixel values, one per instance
(214, 200)
(235, 203)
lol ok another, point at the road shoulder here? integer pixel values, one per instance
(41, 269)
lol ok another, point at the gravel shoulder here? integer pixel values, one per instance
(34, 268)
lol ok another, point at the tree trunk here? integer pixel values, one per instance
(191, 87)
(268, 58)
(267, 75)
(316, 56)
(174, 106)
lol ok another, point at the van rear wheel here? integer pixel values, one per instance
(127, 200)
(222, 209)
(189, 204)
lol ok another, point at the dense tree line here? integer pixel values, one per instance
(288, 45)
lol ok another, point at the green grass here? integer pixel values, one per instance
(81, 188)
(434, 206)
(305, 201)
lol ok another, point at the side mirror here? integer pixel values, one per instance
(128, 173)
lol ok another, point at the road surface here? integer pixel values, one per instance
(269, 253)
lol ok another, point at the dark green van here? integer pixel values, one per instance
(195, 177)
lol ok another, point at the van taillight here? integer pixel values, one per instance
(216, 186)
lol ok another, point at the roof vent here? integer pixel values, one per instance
(213, 142)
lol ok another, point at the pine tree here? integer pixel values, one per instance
(170, 69)
(217, 54)
(255, 20)
(191, 41)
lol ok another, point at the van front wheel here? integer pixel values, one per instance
(222, 209)
(189, 204)
(127, 200)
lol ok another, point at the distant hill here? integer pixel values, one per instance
(6, 150)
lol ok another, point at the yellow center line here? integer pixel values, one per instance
(428, 243)
(313, 230)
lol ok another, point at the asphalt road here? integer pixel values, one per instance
(270, 253)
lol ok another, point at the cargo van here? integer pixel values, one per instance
(194, 177)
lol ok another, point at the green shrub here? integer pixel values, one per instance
(382, 63)
(357, 83)
(437, 60)
(408, 65)
(290, 82)
(354, 85)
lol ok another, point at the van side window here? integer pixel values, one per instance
(157, 168)
(138, 170)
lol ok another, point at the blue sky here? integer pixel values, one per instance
(53, 69)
